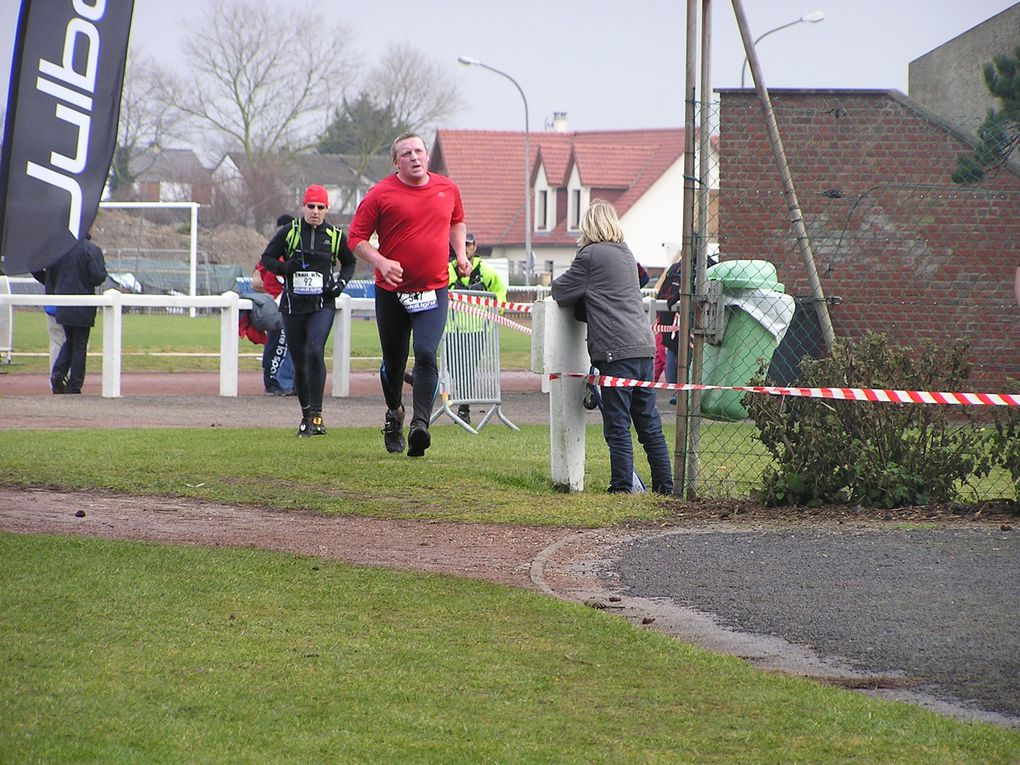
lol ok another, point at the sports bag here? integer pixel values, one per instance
(265, 313)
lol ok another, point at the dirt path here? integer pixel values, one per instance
(494, 553)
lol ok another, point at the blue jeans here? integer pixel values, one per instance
(620, 408)
(670, 365)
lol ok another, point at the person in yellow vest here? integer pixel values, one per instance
(483, 278)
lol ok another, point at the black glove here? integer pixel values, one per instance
(291, 265)
(334, 286)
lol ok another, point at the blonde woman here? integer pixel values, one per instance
(604, 276)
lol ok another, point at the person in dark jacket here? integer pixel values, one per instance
(77, 272)
(305, 253)
(620, 344)
(669, 290)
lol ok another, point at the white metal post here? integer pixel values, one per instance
(563, 350)
(112, 338)
(342, 347)
(193, 255)
(229, 345)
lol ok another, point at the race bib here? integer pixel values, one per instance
(307, 283)
(416, 302)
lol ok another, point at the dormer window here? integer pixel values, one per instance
(577, 200)
(575, 209)
(545, 202)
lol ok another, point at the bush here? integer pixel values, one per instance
(1003, 442)
(871, 454)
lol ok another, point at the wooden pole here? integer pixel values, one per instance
(776, 142)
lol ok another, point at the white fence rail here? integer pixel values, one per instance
(229, 304)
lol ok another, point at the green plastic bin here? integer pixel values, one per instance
(758, 315)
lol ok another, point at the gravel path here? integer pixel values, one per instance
(936, 607)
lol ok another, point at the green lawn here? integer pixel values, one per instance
(506, 481)
(118, 652)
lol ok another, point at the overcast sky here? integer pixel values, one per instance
(609, 64)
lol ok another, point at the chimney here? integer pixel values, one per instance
(560, 122)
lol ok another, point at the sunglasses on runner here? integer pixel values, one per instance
(316, 207)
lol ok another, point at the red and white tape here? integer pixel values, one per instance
(489, 316)
(460, 297)
(878, 395)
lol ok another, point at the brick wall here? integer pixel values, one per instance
(906, 251)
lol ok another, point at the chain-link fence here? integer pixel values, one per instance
(899, 251)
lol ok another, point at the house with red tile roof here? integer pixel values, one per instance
(639, 171)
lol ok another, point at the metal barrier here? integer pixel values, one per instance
(469, 370)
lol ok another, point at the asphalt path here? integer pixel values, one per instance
(935, 609)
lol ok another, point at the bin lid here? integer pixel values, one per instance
(745, 275)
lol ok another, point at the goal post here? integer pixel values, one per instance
(192, 207)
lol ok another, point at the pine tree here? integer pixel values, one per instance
(360, 127)
(999, 134)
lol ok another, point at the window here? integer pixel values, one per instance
(575, 209)
(542, 211)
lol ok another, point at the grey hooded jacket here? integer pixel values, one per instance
(604, 275)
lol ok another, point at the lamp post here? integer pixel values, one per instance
(529, 263)
(811, 18)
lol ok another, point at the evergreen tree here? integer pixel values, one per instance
(999, 134)
(360, 128)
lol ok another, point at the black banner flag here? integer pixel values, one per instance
(61, 127)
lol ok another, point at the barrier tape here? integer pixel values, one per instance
(878, 395)
(460, 297)
(490, 316)
(476, 300)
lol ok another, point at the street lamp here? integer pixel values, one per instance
(529, 264)
(811, 18)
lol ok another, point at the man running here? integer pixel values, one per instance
(417, 216)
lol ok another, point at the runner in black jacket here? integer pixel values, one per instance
(305, 253)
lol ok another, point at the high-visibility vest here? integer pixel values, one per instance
(294, 239)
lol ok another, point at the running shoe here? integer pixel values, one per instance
(464, 412)
(418, 441)
(316, 425)
(305, 428)
(393, 430)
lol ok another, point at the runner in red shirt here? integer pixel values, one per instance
(417, 216)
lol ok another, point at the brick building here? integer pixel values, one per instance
(903, 249)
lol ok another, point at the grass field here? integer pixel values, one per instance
(129, 652)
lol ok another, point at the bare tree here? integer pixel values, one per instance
(413, 88)
(146, 123)
(405, 92)
(261, 80)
